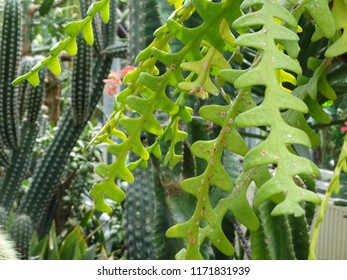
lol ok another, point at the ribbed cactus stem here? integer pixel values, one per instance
(22, 231)
(144, 20)
(136, 28)
(81, 82)
(11, 49)
(21, 156)
(139, 216)
(18, 168)
(276, 234)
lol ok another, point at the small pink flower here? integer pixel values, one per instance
(126, 70)
(112, 83)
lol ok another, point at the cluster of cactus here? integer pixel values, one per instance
(220, 54)
(21, 118)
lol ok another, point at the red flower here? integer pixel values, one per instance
(344, 128)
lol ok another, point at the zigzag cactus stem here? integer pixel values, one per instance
(11, 49)
(69, 44)
(269, 71)
(334, 187)
(215, 175)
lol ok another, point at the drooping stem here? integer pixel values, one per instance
(333, 187)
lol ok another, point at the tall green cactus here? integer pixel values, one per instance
(139, 216)
(143, 21)
(17, 170)
(9, 59)
(11, 48)
(81, 82)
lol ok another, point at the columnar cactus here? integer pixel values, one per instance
(11, 48)
(17, 169)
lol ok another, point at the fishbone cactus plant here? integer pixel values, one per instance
(235, 49)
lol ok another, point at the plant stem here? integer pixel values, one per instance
(334, 186)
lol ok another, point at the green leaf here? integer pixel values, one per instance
(320, 12)
(87, 33)
(45, 7)
(109, 188)
(71, 47)
(220, 241)
(53, 65)
(105, 13)
(73, 28)
(53, 250)
(33, 79)
(317, 112)
(74, 246)
(241, 209)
